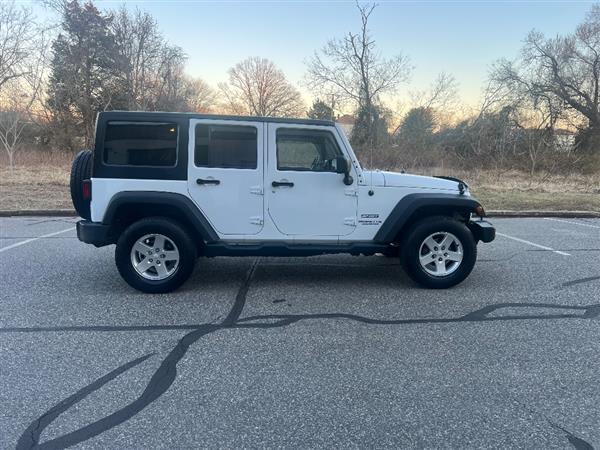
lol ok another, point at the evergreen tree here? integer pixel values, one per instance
(370, 129)
(320, 110)
(417, 127)
(83, 79)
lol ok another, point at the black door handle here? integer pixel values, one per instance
(203, 181)
(282, 183)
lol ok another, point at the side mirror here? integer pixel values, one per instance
(342, 165)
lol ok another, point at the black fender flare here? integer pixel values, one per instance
(410, 204)
(184, 205)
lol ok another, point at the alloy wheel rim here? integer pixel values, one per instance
(155, 257)
(440, 254)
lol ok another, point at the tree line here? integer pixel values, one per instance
(539, 111)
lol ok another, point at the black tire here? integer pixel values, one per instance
(81, 170)
(168, 228)
(391, 252)
(411, 248)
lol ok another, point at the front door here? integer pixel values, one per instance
(225, 174)
(305, 195)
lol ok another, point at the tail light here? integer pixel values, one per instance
(86, 189)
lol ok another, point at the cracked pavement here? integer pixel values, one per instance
(301, 352)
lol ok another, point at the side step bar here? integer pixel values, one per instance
(287, 249)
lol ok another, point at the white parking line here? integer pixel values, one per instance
(533, 244)
(574, 223)
(27, 241)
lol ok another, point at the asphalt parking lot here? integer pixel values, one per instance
(331, 351)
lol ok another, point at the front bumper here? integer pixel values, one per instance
(93, 233)
(482, 230)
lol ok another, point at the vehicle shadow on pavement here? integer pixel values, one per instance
(166, 374)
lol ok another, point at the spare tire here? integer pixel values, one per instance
(81, 170)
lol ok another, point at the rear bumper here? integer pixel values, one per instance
(93, 233)
(482, 230)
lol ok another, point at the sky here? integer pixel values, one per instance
(462, 38)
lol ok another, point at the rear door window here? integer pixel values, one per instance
(140, 144)
(226, 146)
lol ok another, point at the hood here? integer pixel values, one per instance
(394, 179)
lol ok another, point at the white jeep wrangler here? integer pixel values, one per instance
(169, 187)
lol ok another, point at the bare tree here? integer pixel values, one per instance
(139, 44)
(18, 37)
(565, 67)
(200, 96)
(537, 120)
(184, 93)
(23, 52)
(352, 68)
(152, 72)
(494, 94)
(17, 106)
(442, 94)
(169, 79)
(257, 87)
(12, 125)
(439, 101)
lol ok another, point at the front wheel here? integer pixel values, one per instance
(439, 252)
(155, 255)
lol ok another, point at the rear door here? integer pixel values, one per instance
(225, 173)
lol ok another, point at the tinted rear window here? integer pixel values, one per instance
(140, 144)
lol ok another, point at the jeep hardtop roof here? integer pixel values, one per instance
(153, 115)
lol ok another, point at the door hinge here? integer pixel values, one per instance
(351, 221)
(258, 190)
(351, 192)
(257, 220)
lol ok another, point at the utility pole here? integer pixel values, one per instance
(332, 106)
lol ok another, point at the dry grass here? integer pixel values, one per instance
(41, 181)
(34, 158)
(513, 190)
(537, 201)
(38, 181)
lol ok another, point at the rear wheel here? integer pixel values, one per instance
(155, 255)
(81, 170)
(438, 252)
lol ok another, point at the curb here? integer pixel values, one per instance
(572, 214)
(38, 212)
(492, 213)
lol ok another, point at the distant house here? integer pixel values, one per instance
(347, 123)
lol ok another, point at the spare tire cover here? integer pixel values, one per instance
(81, 170)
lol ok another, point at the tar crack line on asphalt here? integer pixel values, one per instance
(32, 434)
(166, 373)
(576, 442)
(580, 280)
(160, 382)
